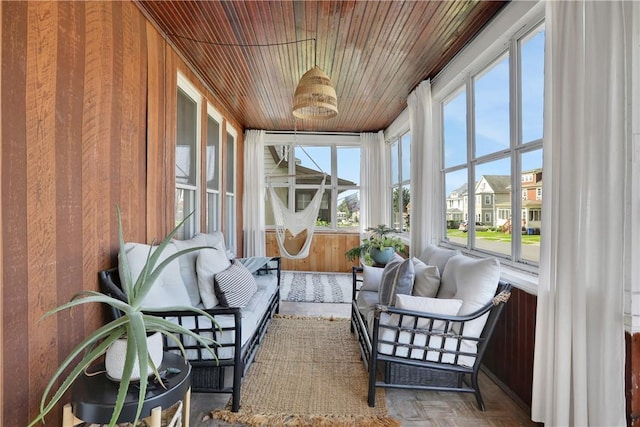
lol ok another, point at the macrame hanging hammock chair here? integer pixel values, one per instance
(294, 230)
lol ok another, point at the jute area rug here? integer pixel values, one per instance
(308, 372)
(301, 286)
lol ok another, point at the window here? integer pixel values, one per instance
(230, 202)
(187, 157)
(212, 165)
(492, 142)
(401, 182)
(199, 164)
(295, 170)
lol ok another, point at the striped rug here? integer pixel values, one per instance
(299, 286)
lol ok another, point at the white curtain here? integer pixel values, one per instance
(374, 180)
(426, 188)
(254, 194)
(579, 351)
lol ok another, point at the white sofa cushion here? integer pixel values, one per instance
(449, 307)
(251, 314)
(235, 286)
(427, 280)
(209, 263)
(433, 255)
(188, 263)
(168, 290)
(446, 307)
(475, 282)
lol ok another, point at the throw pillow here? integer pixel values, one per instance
(397, 278)
(209, 263)
(433, 255)
(448, 307)
(427, 279)
(371, 278)
(188, 265)
(235, 286)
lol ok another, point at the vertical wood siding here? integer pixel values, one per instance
(73, 146)
(87, 104)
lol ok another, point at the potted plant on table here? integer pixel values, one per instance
(134, 326)
(378, 247)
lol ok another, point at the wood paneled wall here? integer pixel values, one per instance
(325, 254)
(509, 355)
(87, 99)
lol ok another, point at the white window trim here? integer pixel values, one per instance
(231, 228)
(333, 140)
(215, 115)
(187, 87)
(515, 18)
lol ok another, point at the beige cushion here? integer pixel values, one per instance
(208, 264)
(427, 280)
(168, 290)
(434, 255)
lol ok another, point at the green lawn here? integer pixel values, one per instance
(495, 236)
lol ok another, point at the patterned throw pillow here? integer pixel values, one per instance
(235, 286)
(397, 278)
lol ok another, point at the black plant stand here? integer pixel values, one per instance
(93, 397)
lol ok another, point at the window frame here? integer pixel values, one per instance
(230, 202)
(217, 225)
(192, 226)
(510, 47)
(334, 142)
(401, 183)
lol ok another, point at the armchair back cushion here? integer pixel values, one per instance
(475, 282)
(434, 255)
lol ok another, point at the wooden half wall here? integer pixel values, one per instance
(87, 109)
(325, 254)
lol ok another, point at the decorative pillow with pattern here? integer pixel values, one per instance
(397, 278)
(235, 286)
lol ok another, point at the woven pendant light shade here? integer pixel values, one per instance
(315, 97)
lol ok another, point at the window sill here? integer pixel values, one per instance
(519, 279)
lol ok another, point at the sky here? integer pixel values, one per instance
(491, 115)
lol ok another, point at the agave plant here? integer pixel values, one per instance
(133, 325)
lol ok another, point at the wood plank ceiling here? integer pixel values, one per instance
(253, 53)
